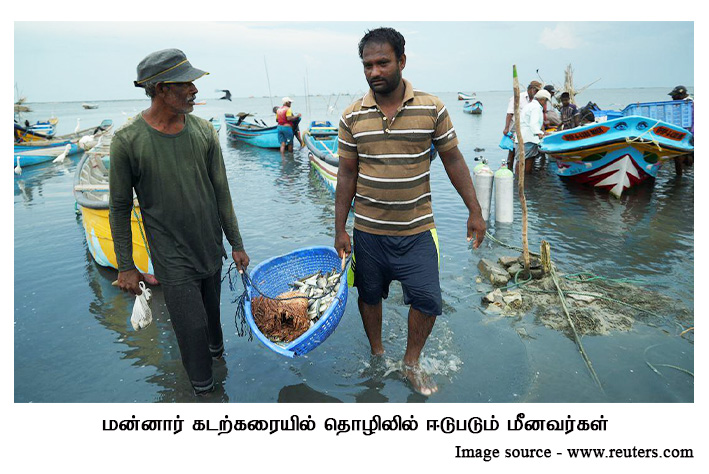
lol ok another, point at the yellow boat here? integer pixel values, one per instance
(91, 192)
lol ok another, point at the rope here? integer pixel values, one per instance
(247, 282)
(586, 359)
(142, 234)
(512, 247)
(639, 137)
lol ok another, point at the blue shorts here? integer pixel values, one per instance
(285, 134)
(412, 260)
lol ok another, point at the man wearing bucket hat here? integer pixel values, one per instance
(680, 93)
(524, 99)
(174, 163)
(287, 126)
(531, 121)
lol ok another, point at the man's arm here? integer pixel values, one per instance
(347, 172)
(120, 205)
(227, 217)
(508, 122)
(459, 175)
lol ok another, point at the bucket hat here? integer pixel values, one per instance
(167, 65)
(543, 94)
(678, 90)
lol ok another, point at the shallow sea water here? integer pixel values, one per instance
(73, 341)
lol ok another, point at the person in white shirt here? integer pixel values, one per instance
(524, 99)
(532, 125)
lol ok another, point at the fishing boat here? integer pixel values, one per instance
(260, 135)
(91, 186)
(464, 96)
(37, 152)
(321, 140)
(89, 106)
(616, 154)
(475, 108)
(216, 123)
(41, 130)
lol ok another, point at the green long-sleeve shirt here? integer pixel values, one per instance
(184, 197)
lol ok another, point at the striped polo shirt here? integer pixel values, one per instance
(393, 195)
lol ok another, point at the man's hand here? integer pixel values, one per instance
(476, 227)
(240, 259)
(343, 246)
(129, 281)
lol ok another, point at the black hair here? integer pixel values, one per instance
(565, 95)
(384, 35)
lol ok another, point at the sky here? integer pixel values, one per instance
(96, 60)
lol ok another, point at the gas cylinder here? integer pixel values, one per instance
(482, 180)
(504, 193)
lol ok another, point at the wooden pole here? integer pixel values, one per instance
(520, 169)
(268, 81)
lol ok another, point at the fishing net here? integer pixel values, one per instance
(281, 319)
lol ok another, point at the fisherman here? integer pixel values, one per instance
(287, 125)
(531, 123)
(384, 149)
(552, 119)
(680, 93)
(524, 99)
(174, 162)
(569, 112)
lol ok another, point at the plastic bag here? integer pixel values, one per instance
(142, 315)
(506, 143)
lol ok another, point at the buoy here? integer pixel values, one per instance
(504, 193)
(482, 180)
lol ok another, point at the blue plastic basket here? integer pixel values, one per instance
(274, 276)
(676, 112)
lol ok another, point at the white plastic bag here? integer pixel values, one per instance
(142, 315)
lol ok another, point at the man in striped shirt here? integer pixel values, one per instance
(385, 142)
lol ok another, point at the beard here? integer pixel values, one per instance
(385, 85)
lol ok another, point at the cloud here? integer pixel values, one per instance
(562, 36)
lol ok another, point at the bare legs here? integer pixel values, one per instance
(420, 326)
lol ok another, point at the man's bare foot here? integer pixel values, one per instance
(420, 381)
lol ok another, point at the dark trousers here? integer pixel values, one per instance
(194, 312)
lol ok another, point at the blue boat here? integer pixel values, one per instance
(321, 140)
(41, 130)
(252, 133)
(34, 155)
(473, 107)
(216, 123)
(37, 152)
(616, 154)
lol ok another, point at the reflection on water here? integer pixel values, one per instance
(74, 341)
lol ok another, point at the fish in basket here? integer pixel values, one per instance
(306, 290)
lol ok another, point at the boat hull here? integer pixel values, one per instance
(30, 156)
(100, 241)
(475, 108)
(253, 134)
(618, 154)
